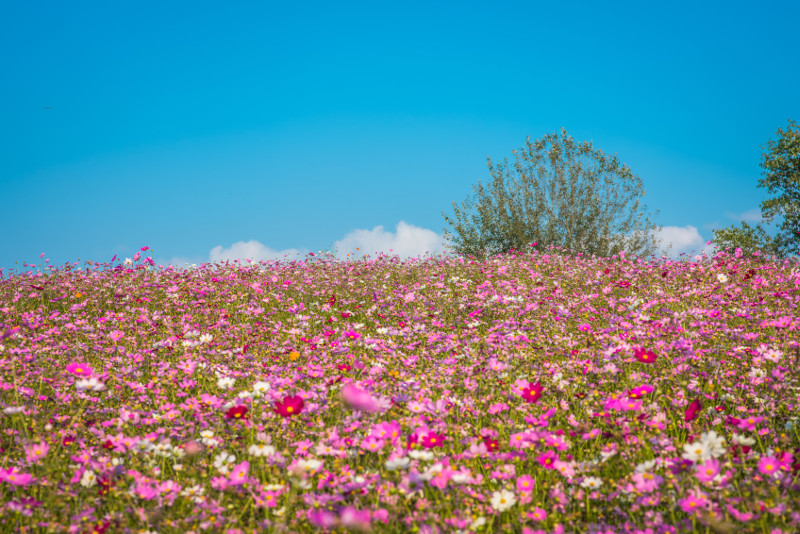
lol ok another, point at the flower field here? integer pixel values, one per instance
(525, 393)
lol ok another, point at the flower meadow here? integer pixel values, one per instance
(538, 392)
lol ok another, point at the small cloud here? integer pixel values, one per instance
(750, 216)
(407, 241)
(683, 239)
(251, 250)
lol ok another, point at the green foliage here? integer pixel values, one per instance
(781, 164)
(557, 192)
(747, 238)
(781, 176)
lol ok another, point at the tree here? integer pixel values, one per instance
(747, 238)
(781, 175)
(557, 192)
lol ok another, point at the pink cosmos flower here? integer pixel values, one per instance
(441, 478)
(79, 369)
(15, 478)
(356, 519)
(694, 501)
(518, 440)
(116, 335)
(239, 474)
(749, 423)
(36, 452)
(565, 468)
(372, 444)
(708, 470)
(360, 400)
(768, 465)
(352, 334)
(646, 482)
(525, 484)
(538, 514)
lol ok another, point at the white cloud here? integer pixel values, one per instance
(407, 241)
(683, 239)
(750, 216)
(251, 250)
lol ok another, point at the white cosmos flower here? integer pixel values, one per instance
(645, 467)
(206, 338)
(714, 442)
(741, 439)
(260, 388)
(722, 278)
(421, 455)
(225, 383)
(92, 384)
(696, 451)
(261, 449)
(591, 483)
(397, 463)
(88, 479)
(503, 500)
(222, 462)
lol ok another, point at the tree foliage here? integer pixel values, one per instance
(557, 192)
(781, 176)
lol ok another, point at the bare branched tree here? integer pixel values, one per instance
(557, 192)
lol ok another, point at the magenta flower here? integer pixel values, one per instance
(431, 440)
(640, 391)
(547, 459)
(645, 356)
(532, 393)
(693, 410)
(79, 369)
(290, 406)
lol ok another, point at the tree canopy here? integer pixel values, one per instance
(557, 192)
(780, 162)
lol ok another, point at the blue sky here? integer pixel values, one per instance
(207, 131)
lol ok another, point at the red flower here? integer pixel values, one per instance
(491, 444)
(237, 412)
(532, 392)
(290, 406)
(644, 355)
(431, 440)
(693, 409)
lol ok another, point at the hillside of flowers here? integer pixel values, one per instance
(532, 393)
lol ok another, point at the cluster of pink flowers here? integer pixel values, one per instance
(537, 393)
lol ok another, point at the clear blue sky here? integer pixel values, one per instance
(193, 126)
